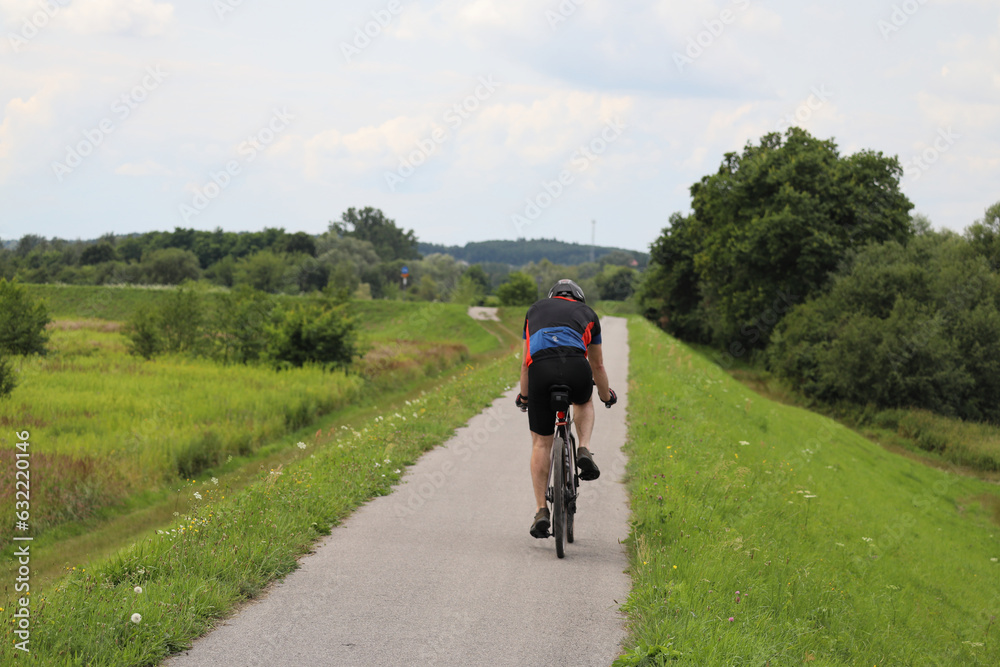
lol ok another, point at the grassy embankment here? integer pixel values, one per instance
(764, 534)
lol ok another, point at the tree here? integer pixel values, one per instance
(299, 242)
(984, 235)
(616, 283)
(772, 224)
(903, 326)
(519, 290)
(22, 320)
(98, 254)
(370, 224)
(171, 266)
(8, 376)
(263, 271)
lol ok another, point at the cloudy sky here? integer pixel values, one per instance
(469, 120)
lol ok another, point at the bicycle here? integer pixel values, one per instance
(564, 481)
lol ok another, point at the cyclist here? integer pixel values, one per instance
(562, 346)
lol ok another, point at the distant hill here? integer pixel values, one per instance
(522, 251)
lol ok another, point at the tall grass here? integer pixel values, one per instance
(764, 534)
(104, 424)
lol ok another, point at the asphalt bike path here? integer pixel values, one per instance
(443, 571)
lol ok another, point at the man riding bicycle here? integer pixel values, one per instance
(562, 346)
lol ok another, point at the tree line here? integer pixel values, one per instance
(809, 263)
(362, 254)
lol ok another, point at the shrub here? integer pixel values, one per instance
(8, 377)
(519, 290)
(312, 334)
(22, 320)
(143, 333)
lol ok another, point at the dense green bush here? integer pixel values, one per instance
(312, 334)
(519, 290)
(8, 377)
(903, 326)
(22, 320)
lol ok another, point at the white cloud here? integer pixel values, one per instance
(143, 18)
(145, 168)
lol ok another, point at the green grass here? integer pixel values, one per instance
(105, 425)
(231, 545)
(842, 553)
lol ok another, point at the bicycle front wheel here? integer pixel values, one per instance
(571, 490)
(559, 495)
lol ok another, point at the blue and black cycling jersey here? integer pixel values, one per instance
(560, 327)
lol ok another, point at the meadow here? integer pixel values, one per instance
(764, 534)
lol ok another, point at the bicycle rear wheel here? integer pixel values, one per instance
(559, 495)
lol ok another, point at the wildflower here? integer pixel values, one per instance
(137, 589)
(839, 544)
(197, 495)
(215, 480)
(731, 619)
(397, 471)
(867, 539)
(378, 465)
(301, 445)
(136, 618)
(993, 560)
(386, 461)
(414, 415)
(744, 443)
(809, 496)
(229, 460)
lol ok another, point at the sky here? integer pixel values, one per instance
(472, 120)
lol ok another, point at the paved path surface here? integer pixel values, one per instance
(443, 571)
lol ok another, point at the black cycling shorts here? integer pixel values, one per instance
(573, 372)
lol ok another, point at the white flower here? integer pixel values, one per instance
(809, 496)
(397, 471)
(414, 415)
(744, 443)
(137, 589)
(993, 560)
(386, 461)
(378, 465)
(839, 544)
(215, 480)
(197, 495)
(136, 618)
(396, 415)
(867, 539)
(301, 445)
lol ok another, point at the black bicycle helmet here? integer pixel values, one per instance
(568, 288)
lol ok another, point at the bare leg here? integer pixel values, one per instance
(584, 419)
(541, 457)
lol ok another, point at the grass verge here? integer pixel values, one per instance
(764, 534)
(231, 545)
